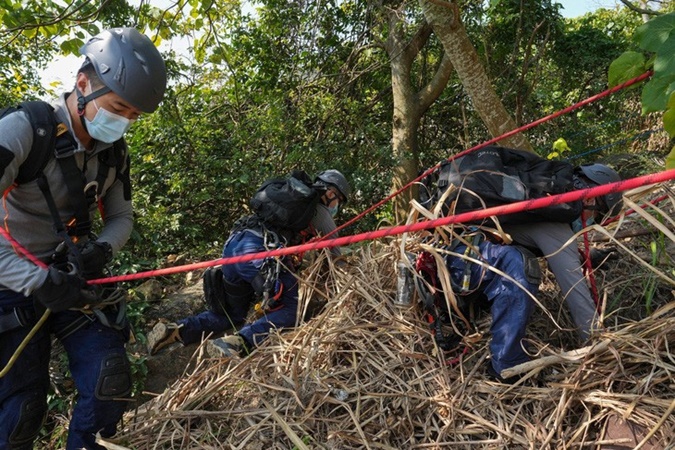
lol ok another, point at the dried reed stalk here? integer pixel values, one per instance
(364, 374)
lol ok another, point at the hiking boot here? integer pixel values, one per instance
(226, 347)
(162, 335)
(494, 376)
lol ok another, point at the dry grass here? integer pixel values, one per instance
(364, 374)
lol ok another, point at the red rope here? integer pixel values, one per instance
(654, 202)
(431, 170)
(21, 249)
(588, 266)
(471, 216)
(323, 242)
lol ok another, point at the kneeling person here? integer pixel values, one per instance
(508, 296)
(246, 282)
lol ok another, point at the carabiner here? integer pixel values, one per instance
(266, 242)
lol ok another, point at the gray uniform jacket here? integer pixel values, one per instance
(564, 262)
(26, 216)
(323, 224)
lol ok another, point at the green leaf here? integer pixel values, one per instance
(652, 34)
(656, 92)
(665, 58)
(671, 101)
(30, 33)
(670, 159)
(669, 122)
(626, 67)
(71, 46)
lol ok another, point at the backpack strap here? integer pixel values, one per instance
(116, 156)
(42, 117)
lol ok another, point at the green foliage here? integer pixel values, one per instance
(657, 37)
(281, 85)
(653, 34)
(626, 67)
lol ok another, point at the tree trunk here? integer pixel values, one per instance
(409, 106)
(444, 19)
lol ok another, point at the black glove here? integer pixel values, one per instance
(62, 291)
(94, 255)
(599, 255)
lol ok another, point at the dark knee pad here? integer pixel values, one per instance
(530, 265)
(31, 415)
(114, 380)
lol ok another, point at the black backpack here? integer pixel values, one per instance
(214, 290)
(286, 203)
(52, 140)
(493, 176)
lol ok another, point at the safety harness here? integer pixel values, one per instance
(266, 284)
(430, 291)
(52, 139)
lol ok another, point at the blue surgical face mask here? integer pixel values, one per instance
(106, 126)
(333, 210)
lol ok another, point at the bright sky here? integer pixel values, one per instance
(576, 8)
(63, 69)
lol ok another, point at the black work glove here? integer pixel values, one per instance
(94, 255)
(62, 291)
(599, 255)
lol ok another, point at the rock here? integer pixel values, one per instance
(150, 290)
(627, 434)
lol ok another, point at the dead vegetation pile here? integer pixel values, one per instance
(363, 373)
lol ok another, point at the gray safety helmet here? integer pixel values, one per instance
(335, 178)
(128, 64)
(601, 174)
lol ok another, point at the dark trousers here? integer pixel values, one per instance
(99, 367)
(510, 305)
(243, 243)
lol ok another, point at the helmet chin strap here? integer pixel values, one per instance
(82, 101)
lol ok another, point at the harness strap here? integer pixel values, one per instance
(17, 318)
(58, 225)
(75, 181)
(118, 322)
(73, 326)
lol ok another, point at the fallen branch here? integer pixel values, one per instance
(573, 356)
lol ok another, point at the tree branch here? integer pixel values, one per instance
(637, 9)
(428, 95)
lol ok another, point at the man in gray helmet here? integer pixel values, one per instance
(59, 163)
(245, 283)
(555, 241)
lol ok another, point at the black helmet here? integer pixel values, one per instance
(129, 65)
(601, 174)
(335, 178)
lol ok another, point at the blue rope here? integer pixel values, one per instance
(642, 135)
(604, 125)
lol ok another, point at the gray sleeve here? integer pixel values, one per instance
(16, 139)
(323, 224)
(117, 216)
(18, 273)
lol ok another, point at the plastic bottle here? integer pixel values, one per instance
(404, 285)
